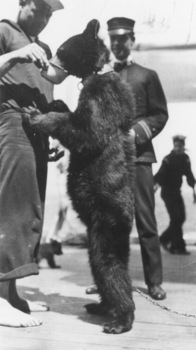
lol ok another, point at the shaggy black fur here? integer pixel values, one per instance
(100, 175)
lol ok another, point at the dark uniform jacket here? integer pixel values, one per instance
(173, 167)
(151, 108)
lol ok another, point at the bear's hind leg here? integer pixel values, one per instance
(111, 275)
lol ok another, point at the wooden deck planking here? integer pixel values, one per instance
(68, 327)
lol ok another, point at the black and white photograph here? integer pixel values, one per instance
(97, 174)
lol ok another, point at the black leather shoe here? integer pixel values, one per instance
(92, 289)
(156, 292)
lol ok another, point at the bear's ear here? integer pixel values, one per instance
(92, 28)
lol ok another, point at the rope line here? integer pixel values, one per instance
(163, 307)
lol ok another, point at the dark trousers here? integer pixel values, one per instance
(146, 224)
(175, 206)
(23, 171)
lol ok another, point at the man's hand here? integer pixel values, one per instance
(29, 114)
(32, 111)
(32, 53)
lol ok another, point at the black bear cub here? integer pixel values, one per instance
(47, 251)
(100, 175)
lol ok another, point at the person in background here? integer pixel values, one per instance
(151, 117)
(23, 155)
(169, 177)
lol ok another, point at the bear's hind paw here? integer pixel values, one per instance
(117, 326)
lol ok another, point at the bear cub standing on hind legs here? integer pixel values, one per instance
(100, 174)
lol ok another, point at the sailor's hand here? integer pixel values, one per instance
(33, 53)
(29, 115)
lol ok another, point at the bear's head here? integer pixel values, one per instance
(85, 53)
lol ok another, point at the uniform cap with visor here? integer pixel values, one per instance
(120, 25)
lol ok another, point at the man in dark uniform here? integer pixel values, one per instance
(174, 166)
(151, 117)
(23, 154)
